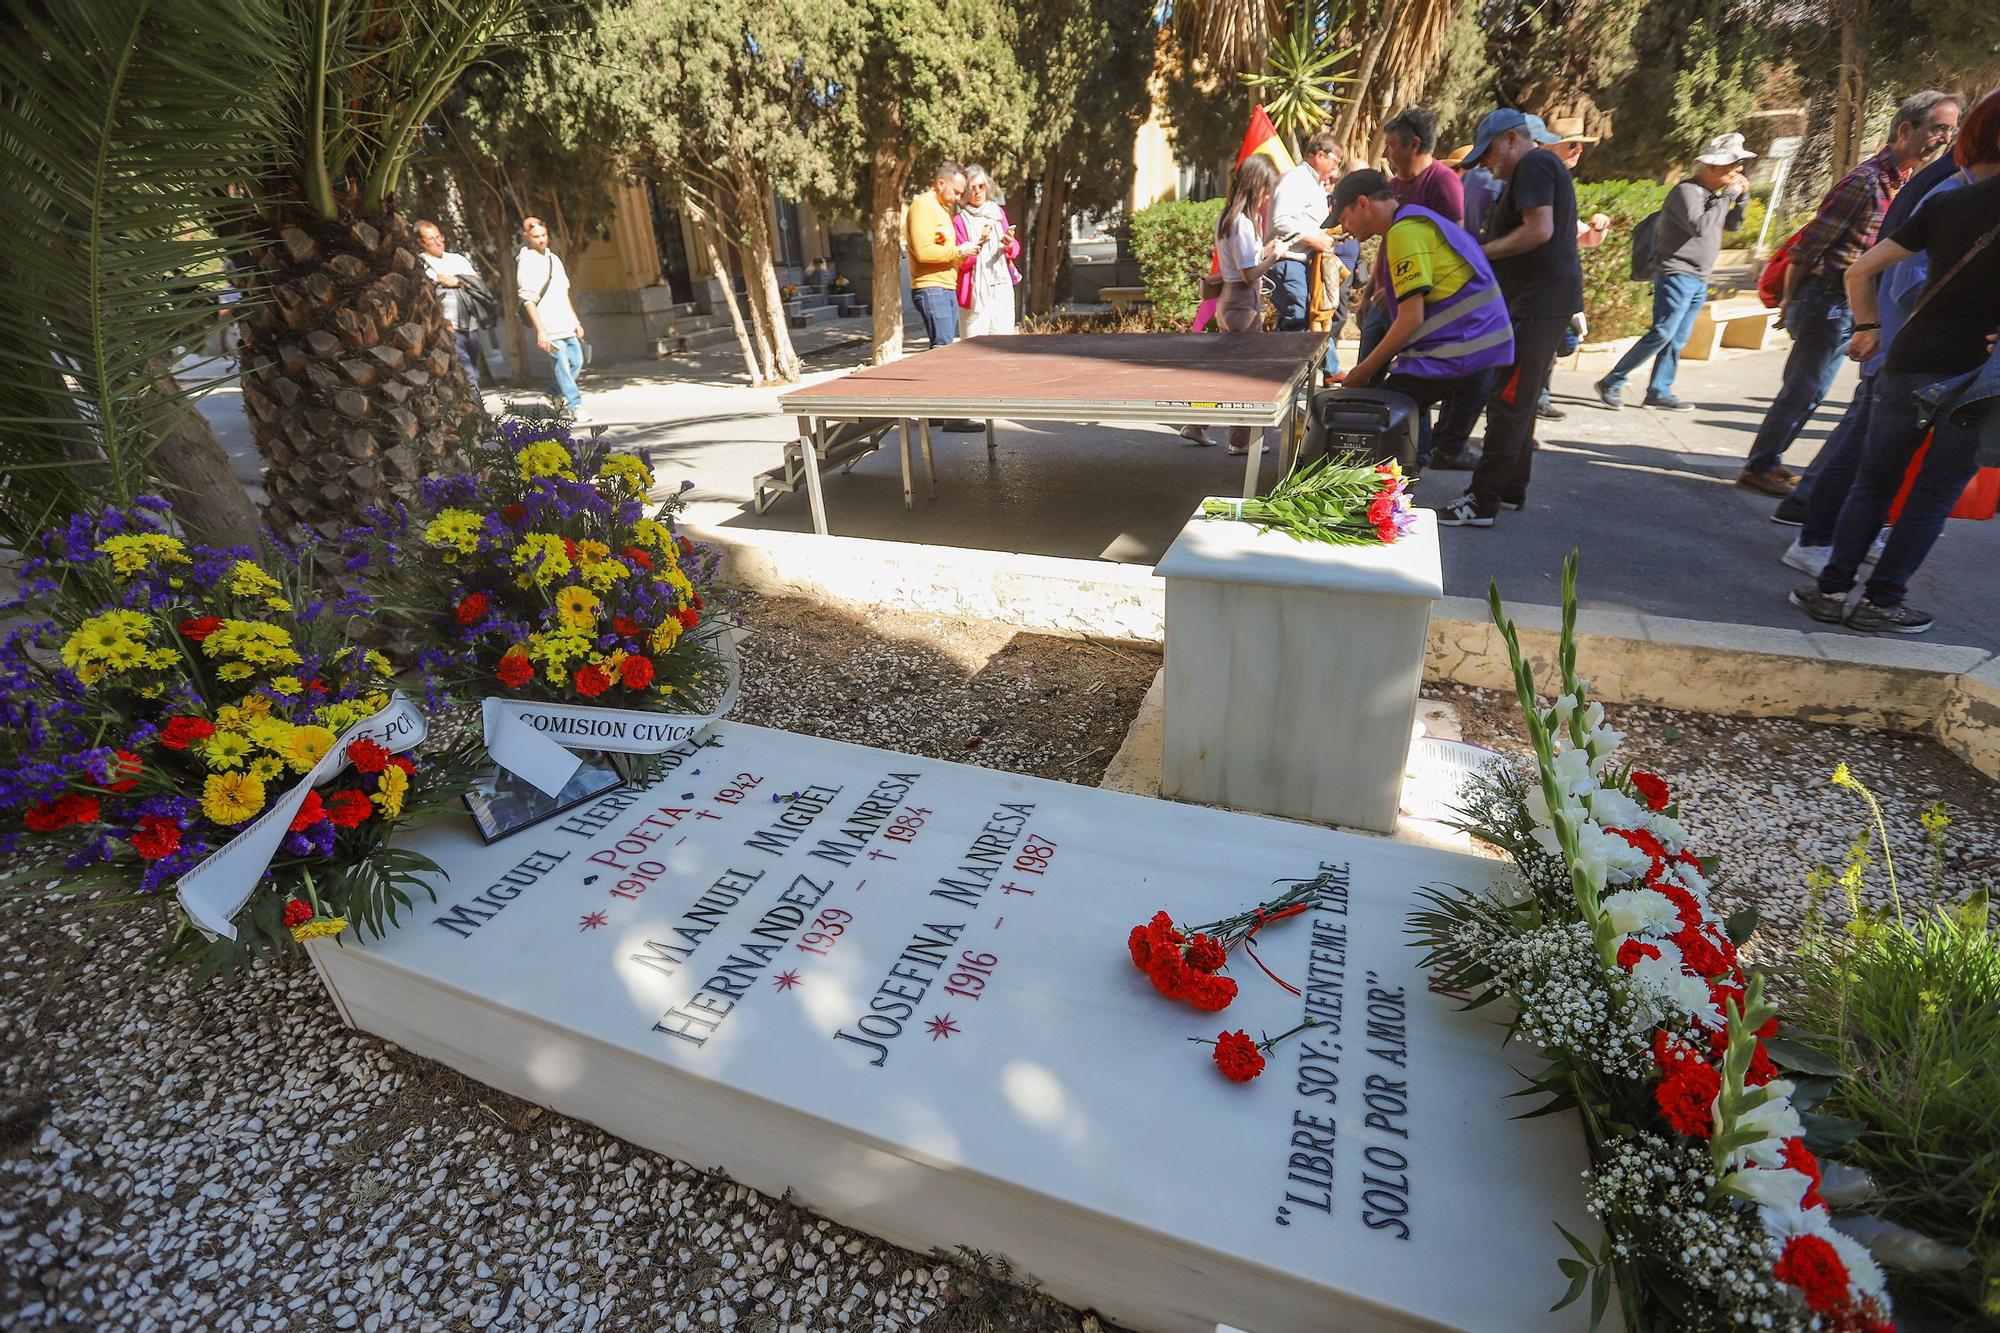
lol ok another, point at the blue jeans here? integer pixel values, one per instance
(1291, 293)
(566, 355)
(1897, 423)
(1375, 324)
(1677, 299)
(1820, 324)
(1824, 488)
(465, 342)
(938, 307)
(1460, 413)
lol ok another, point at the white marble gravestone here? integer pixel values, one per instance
(1293, 668)
(902, 991)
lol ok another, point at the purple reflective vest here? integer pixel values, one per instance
(1467, 331)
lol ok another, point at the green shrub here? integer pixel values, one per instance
(1913, 1008)
(1745, 236)
(1174, 242)
(1616, 306)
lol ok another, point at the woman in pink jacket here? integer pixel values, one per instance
(986, 277)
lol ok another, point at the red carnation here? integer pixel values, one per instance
(1631, 951)
(367, 756)
(513, 513)
(65, 810)
(473, 609)
(126, 772)
(404, 762)
(1699, 953)
(569, 548)
(695, 598)
(1210, 991)
(1169, 975)
(688, 616)
(1813, 1266)
(200, 627)
(155, 837)
(1237, 1056)
(592, 681)
(181, 732)
(515, 670)
(636, 672)
(1685, 906)
(1643, 840)
(297, 912)
(1140, 944)
(1204, 954)
(1800, 1159)
(625, 625)
(1723, 995)
(637, 557)
(687, 549)
(1686, 1095)
(1651, 790)
(311, 811)
(350, 808)
(1382, 508)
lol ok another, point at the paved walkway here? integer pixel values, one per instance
(1645, 496)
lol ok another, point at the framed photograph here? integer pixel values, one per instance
(502, 803)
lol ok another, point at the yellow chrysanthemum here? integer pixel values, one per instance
(247, 580)
(231, 798)
(541, 557)
(603, 576)
(225, 750)
(390, 789)
(378, 663)
(589, 552)
(653, 533)
(234, 671)
(286, 685)
(126, 654)
(666, 636)
(318, 926)
(252, 641)
(577, 608)
(546, 458)
(338, 717)
(681, 582)
(559, 648)
(278, 604)
(99, 638)
(626, 472)
(456, 530)
(307, 746)
(266, 766)
(162, 658)
(131, 553)
(90, 674)
(271, 734)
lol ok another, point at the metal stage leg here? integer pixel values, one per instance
(992, 440)
(903, 429)
(930, 472)
(1255, 460)
(814, 440)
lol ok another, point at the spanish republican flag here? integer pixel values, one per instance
(1261, 137)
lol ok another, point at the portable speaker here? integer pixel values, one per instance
(1376, 423)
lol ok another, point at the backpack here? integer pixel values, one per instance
(1771, 282)
(1645, 239)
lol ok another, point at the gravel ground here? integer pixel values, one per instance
(1757, 792)
(236, 1160)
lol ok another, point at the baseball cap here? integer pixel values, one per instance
(1724, 150)
(1357, 185)
(1499, 122)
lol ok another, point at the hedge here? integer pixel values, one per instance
(1616, 306)
(1174, 242)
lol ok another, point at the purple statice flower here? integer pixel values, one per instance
(313, 840)
(353, 603)
(445, 492)
(158, 874)
(98, 850)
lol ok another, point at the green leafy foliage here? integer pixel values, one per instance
(1616, 306)
(1912, 1005)
(1328, 500)
(1174, 242)
(1304, 71)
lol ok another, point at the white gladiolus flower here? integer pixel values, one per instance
(1572, 773)
(1560, 713)
(1593, 716)
(1601, 742)
(1641, 912)
(1776, 1121)
(1778, 1191)
(1863, 1273)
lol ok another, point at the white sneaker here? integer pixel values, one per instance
(1875, 548)
(1196, 435)
(1807, 559)
(1234, 452)
(581, 417)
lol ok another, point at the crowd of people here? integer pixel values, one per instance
(1476, 288)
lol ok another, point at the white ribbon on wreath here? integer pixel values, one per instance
(532, 740)
(216, 889)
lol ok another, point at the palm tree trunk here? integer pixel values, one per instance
(1379, 30)
(889, 176)
(351, 383)
(194, 468)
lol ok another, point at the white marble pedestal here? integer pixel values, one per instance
(1293, 668)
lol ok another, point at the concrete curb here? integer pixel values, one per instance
(1942, 690)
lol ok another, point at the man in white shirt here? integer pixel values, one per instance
(544, 288)
(455, 277)
(1298, 217)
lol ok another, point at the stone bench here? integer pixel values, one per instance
(1124, 299)
(1737, 322)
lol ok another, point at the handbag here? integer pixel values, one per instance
(1980, 501)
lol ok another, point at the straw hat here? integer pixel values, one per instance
(1569, 129)
(1458, 155)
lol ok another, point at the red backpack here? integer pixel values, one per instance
(1771, 282)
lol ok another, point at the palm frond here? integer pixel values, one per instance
(122, 123)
